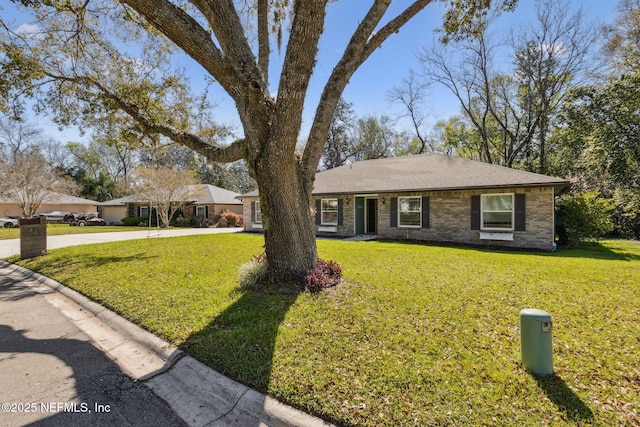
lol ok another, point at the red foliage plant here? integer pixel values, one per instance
(325, 275)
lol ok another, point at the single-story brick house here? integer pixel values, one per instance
(54, 202)
(208, 201)
(434, 198)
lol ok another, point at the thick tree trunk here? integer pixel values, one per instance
(287, 219)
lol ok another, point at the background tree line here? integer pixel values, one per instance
(105, 168)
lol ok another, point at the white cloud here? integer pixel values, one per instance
(556, 50)
(27, 29)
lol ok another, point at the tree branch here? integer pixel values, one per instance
(189, 35)
(226, 154)
(263, 39)
(226, 25)
(360, 47)
(299, 62)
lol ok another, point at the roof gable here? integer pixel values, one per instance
(207, 194)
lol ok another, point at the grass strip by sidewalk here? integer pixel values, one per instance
(418, 334)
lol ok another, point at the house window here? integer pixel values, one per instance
(258, 213)
(329, 212)
(410, 212)
(144, 212)
(497, 212)
(201, 211)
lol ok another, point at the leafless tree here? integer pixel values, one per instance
(29, 181)
(18, 138)
(165, 189)
(557, 52)
(512, 109)
(413, 94)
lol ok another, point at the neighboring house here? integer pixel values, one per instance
(207, 202)
(434, 198)
(56, 202)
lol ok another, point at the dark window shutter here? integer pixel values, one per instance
(253, 211)
(425, 212)
(520, 213)
(206, 212)
(394, 212)
(475, 212)
(339, 211)
(318, 211)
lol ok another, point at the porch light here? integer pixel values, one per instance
(383, 200)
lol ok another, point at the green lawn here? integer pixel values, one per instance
(60, 229)
(417, 335)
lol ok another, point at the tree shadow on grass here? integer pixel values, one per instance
(87, 261)
(240, 342)
(98, 260)
(597, 250)
(564, 398)
(592, 250)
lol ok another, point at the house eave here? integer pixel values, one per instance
(559, 188)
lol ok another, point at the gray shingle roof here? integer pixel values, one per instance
(425, 172)
(212, 195)
(204, 194)
(59, 199)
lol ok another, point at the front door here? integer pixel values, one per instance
(372, 216)
(366, 215)
(360, 217)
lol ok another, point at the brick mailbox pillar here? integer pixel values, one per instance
(33, 237)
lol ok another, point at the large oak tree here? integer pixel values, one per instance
(231, 40)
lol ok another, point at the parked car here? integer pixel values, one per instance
(10, 221)
(83, 220)
(54, 217)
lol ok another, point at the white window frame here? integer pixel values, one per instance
(400, 212)
(483, 210)
(257, 213)
(204, 211)
(147, 209)
(332, 210)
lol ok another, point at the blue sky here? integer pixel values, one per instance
(368, 89)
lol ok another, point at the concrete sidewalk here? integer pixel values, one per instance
(12, 246)
(67, 361)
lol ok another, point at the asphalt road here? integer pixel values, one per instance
(52, 375)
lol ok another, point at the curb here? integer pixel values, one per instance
(131, 331)
(199, 395)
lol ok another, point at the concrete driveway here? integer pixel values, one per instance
(12, 246)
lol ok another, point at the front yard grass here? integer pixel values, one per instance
(60, 229)
(417, 334)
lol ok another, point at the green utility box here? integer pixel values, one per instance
(535, 341)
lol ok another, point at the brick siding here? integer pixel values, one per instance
(449, 218)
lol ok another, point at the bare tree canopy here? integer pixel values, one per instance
(512, 110)
(165, 189)
(29, 182)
